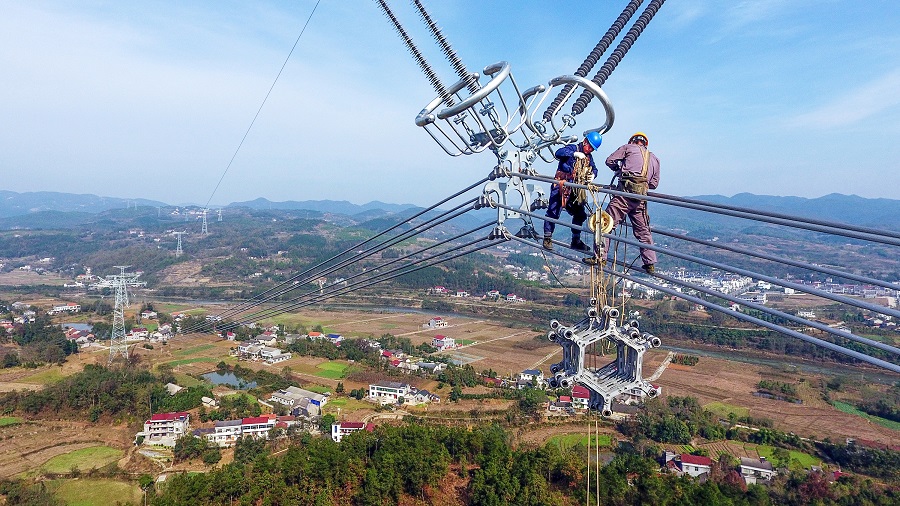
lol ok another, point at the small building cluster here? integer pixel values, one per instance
(341, 429)
(261, 349)
(227, 432)
(752, 471)
(300, 402)
(393, 392)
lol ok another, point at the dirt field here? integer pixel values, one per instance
(721, 381)
(497, 346)
(27, 446)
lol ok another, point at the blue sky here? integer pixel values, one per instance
(150, 99)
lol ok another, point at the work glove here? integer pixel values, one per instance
(579, 155)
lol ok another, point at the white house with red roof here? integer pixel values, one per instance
(695, 465)
(443, 342)
(341, 429)
(165, 428)
(257, 426)
(439, 289)
(580, 397)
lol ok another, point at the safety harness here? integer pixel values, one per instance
(636, 183)
(582, 173)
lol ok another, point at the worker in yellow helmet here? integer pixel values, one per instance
(638, 171)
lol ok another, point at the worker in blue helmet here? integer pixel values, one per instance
(576, 165)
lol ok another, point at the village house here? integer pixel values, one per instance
(165, 428)
(273, 355)
(425, 397)
(292, 396)
(226, 432)
(436, 323)
(443, 342)
(387, 392)
(532, 375)
(257, 426)
(69, 307)
(341, 429)
(755, 471)
(695, 465)
(149, 315)
(580, 397)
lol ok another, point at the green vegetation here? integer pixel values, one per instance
(193, 351)
(780, 457)
(186, 380)
(45, 377)
(98, 391)
(41, 341)
(565, 441)
(82, 460)
(332, 370)
(847, 408)
(176, 363)
(722, 410)
(90, 492)
(10, 420)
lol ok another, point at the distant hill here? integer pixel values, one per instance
(325, 206)
(18, 204)
(47, 210)
(851, 209)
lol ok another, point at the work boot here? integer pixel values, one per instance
(548, 242)
(649, 268)
(577, 245)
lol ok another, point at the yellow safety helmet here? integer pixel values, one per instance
(639, 134)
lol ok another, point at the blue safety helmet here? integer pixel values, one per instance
(594, 139)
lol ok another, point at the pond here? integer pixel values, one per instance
(230, 379)
(77, 326)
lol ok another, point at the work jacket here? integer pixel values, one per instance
(567, 162)
(628, 158)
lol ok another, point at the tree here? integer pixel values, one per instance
(325, 423)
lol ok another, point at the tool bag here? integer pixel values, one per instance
(636, 183)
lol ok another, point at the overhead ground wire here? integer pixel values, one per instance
(253, 121)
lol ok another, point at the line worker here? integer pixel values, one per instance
(576, 165)
(638, 171)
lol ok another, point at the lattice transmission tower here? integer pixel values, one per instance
(119, 283)
(178, 250)
(205, 229)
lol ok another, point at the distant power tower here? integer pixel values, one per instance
(205, 230)
(220, 214)
(178, 250)
(119, 283)
(321, 282)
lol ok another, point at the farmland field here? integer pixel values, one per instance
(10, 420)
(83, 459)
(90, 492)
(332, 370)
(848, 408)
(44, 377)
(569, 440)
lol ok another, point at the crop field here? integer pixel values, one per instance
(569, 440)
(90, 492)
(45, 377)
(10, 420)
(83, 459)
(804, 459)
(193, 351)
(723, 410)
(28, 446)
(850, 409)
(332, 370)
(719, 381)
